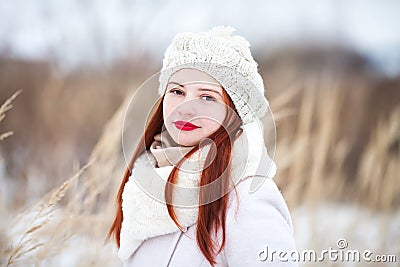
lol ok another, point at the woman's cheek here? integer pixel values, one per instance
(169, 107)
(219, 114)
(210, 125)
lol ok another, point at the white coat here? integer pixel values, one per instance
(262, 220)
(259, 232)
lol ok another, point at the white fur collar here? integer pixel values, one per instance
(144, 216)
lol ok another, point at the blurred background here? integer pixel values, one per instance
(332, 76)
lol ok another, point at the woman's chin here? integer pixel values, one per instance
(187, 143)
(184, 138)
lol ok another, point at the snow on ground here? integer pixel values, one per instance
(324, 225)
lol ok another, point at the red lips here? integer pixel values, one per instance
(185, 126)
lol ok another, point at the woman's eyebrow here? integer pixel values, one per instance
(210, 90)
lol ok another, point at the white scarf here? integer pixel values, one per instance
(146, 216)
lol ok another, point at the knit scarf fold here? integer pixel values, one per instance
(166, 151)
(145, 213)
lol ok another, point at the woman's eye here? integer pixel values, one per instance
(208, 98)
(176, 92)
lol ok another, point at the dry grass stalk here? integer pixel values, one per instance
(319, 155)
(324, 138)
(44, 212)
(378, 173)
(302, 141)
(6, 106)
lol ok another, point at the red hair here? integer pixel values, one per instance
(211, 216)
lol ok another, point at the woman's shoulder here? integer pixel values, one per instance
(254, 221)
(266, 205)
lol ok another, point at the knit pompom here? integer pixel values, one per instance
(222, 31)
(226, 32)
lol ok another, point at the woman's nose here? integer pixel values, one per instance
(187, 107)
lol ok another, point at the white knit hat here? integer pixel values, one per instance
(225, 57)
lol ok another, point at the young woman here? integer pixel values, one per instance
(198, 189)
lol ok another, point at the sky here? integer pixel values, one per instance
(74, 32)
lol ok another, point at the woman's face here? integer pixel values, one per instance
(193, 106)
